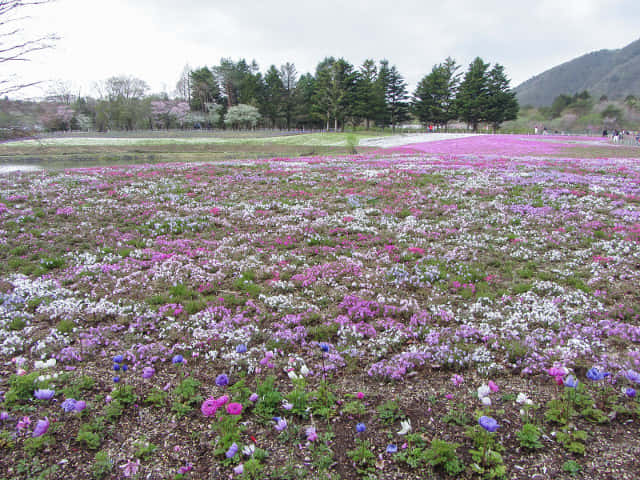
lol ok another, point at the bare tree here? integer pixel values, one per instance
(15, 48)
(183, 87)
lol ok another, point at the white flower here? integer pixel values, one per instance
(486, 401)
(292, 375)
(523, 399)
(304, 371)
(405, 427)
(39, 364)
(248, 450)
(483, 391)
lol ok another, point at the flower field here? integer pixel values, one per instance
(467, 308)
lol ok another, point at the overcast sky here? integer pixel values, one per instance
(154, 39)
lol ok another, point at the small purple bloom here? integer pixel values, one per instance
(148, 372)
(281, 424)
(596, 375)
(233, 449)
(361, 427)
(324, 347)
(80, 405)
(253, 397)
(118, 359)
(4, 416)
(570, 382)
(69, 405)
(177, 359)
(242, 348)
(633, 376)
(630, 392)
(222, 380)
(41, 428)
(488, 423)
(44, 394)
(392, 448)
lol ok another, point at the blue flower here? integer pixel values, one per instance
(633, 376)
(596, 375)
(69, 405)
(177, 359)
(630, 392)
(324, 347)
(488, 423)
(392, 448)
(125, 368)
(233, 449)
(222, 380)
(242, 348)
(361, 427)
(44, 394)
(118, 359)
(571, 382)
(116, 366)
(116, 379)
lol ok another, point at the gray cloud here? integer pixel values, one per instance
(153, 39)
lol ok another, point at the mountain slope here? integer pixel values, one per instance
(615, 73)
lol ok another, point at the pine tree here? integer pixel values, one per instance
(473, 96)
(434, 98)
(502, 103)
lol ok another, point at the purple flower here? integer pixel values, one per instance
(630, 392)
(281, 424)
(4, 416)
(392, 448)
(222, 380)
(311, 433)
(118, 359)
(233, 449)
(324, 347)
(69, 405)
(80, 405)
(253, 397)
(633, 376)
(177, 359)
(242, 348)
(361, 427)
(41, 428)
(116, 379)
(571, 382)
(44, 394)
(596, 375)
(488, 423)
(148, 372)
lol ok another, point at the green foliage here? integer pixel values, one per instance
(389, 412)
(21, 388)
(363, 457)
(65, 326)
(321, 453)
(89, 438)
(354, 407)
(457, 415)
(269, 398)
(488, 462)
(33, 445)
(252, 469)
(78, 386)
(144, 448)
(571, 467)
(228, 428)
(299, 398)
(239, 391)
(572, 440)
(187, 391)
(442, 454)
(17, 323)
(124, 394)
(157, 398)
(529, 436)
(7, 441)
(102, 465)
(113, 410)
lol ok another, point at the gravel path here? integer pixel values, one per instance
(409, 138)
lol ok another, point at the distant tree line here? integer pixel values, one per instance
(235, 94)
